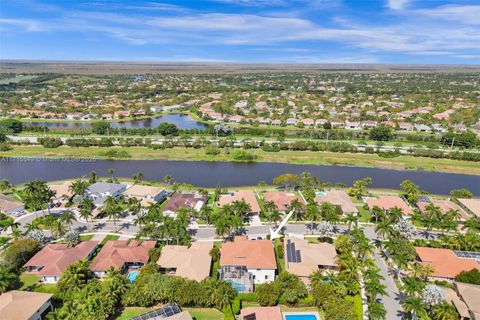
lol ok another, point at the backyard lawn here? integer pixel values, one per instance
(364, 214)
(28, 280)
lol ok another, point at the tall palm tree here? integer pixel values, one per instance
(78, 187)
(134, 205)
(410, 190)
(112, 210)
(5, 185)
(92, 177)
(316, 278)
(312, 213)
(297, 207)
(68, 217)
(57, 228)
(351, 218)
(376, 311)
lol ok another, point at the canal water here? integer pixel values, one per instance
(180, 120)
(227, 174)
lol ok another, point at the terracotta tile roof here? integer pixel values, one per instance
(16, 305)
(281, 199)
(388, 203)
(444, 205)
(473, 205)
(262, 313)
(254, 254)
(55, 258)
(444, 262)
(312, 256)
(115, 253)
(247, 195)
(192, 262)
(338, 198)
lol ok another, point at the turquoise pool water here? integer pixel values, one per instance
(238, 286)
(132, 275)
(300, 317)
(320, 193)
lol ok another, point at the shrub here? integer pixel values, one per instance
(472, 276)
(72, 238)
(116, 154)
(242, 155)
(50, 142)
(19, 252)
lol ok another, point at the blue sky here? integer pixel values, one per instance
(276, 31)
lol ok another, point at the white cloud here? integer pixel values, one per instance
(397, 4)
(463, 14)
(29, 25)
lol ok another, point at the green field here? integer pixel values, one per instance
(294, 157)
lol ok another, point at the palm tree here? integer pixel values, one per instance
(112, 210)
(395, 214)
(433, 216)
(378, 213)
(30, 227)
(316, 278)
(415, 307)
(167, 179)
(57, 228)
(383, 228)
(411, 191)
(78, 187)
(92, 177)
(351, 218)
(444, 311)
(7, 278)
(85, 214)
(68, 217)
(297, 207)
(376, 311)
(140, 220)
(138, 177)
(134, 205)
(412, 286)
(312, 213)
(5, 185)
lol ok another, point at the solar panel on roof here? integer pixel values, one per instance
(250, 317)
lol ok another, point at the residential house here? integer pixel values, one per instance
(184, 200)
(337, 198)
(291, 121)
(146, 194)
(352, 125)
(99, 191)
(452, 297)
(444, 205)
(121, 255)
(369, 124)
(303, 258)
(469, 294)
(387, 203)
(244, 262)
(10, 206)
(246, 195)
(16, 305)
(53, 260)
(192, 262)
(446, 264)
(472, 206)
(62, 191)
(282, 200)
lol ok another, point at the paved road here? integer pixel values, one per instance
(392, 302)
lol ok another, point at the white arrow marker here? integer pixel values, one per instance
(275, 234)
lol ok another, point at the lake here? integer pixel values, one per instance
(227, 174)
(180, 120)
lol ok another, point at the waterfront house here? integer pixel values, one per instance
(53, 260)
(337, 198)
(15, 305)
(192, 262)
(261, 313)
(387, 203)
(184, 200)
(146, 194)
(282, 200)
(244, 262)
(472, 206)
(246, 195)
(121, 255)
(99, 191)
(443, 205)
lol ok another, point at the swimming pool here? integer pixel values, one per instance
(305, 315)
(320, 193)
(132, 275)
(300, 317)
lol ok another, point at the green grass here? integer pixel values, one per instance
(364, 214)
(196, 313)
(279, 255)
(108, 238)
(86, 237)
(215, 265)
(46, 288)
(28, 281)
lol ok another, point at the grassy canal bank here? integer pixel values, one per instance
(292, 157)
